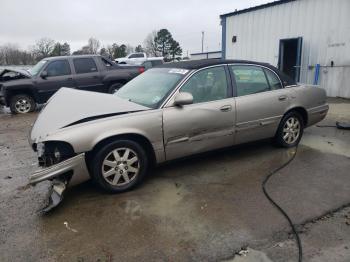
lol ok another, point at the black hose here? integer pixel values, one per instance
(326, 126)
(339, 125)
(295, 232)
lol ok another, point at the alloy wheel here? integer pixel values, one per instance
(291, 130)
(120, 166)
(22, 106)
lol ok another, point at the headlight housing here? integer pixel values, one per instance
(40, 149)
(53, 152)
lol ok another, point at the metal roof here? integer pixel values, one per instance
(254, 8)
(204, 53)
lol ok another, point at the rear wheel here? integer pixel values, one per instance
(119, 166)
(290, 130)
(22, 104)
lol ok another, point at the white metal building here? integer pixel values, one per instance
(206, 55)
(295, 36)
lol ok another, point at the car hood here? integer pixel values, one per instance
(23, 74)
(21, 71)
(69, 107)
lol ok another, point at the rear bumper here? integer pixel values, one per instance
(76, 164)
(317, 114)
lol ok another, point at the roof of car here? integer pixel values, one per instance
(70, 56)
(197, 64)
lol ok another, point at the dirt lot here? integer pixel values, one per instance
(204, 208)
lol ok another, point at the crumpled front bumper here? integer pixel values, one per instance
(2, 98)
(67, 173)
(75, 164)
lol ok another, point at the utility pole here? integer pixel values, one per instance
(202, 40)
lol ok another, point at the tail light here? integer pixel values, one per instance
(141, 69)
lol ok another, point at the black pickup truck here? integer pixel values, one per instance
(22, 90)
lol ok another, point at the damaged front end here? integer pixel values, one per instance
(60, 165)
(9, 74)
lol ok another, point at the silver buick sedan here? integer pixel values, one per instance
(169, 112)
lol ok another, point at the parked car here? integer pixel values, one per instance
(148, 64)
(136, 59)
(152, 63)
(173, 111)
(88, 72)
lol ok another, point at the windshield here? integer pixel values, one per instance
(152, 87)
(36, 69)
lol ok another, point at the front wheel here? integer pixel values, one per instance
(119, 166)
(22, 104)
(290, 130)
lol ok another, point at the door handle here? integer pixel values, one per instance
(70, 78)
(94, 77)
(226, 108)
(281, 98)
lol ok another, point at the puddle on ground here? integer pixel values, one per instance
(249, 255)
(339, 145)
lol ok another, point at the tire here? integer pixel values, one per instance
(290, 130)
(115, 87)
(115, 174)
(22, 104)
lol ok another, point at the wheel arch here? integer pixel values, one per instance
(140, 139)
(20, 91)
(302, 111)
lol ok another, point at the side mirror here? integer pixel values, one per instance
(43, 74)
(183, 98)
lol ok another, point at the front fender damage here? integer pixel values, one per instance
(65, 174)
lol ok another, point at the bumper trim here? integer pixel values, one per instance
(76, 164)
(316, 114)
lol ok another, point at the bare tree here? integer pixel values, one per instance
(110, 49)
(129, 49)
(94, 45)
(139, 49)
(150, 44)
(10, 54)
(85, 50)
(43, 47)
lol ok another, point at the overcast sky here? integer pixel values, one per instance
(115, 21)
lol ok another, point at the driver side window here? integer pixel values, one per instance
(207, 85)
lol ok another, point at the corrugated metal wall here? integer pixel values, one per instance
(324, 26)
(208, 55)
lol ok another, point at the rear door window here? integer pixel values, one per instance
(84, 65)
(249, 79)
(274, 81)
(106, 62)
(58, 68)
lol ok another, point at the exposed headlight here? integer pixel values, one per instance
(40, 149)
